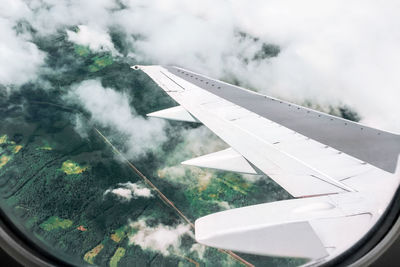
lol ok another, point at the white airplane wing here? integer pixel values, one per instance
(342, 174)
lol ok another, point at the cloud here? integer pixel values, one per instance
(334, 52)
(81, 127)
(138, 190)
(123, 193)
(20, 59)
(111, 109)
(48, 16)
(14, 10)
(331, 52)
(199, 250)
(96, 39)
(128, 191)
(161, 238)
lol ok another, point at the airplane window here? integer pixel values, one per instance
(111, 156)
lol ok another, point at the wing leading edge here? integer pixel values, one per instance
(342, 173)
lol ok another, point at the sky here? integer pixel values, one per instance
(331, 52)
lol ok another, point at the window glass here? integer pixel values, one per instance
(89, 178)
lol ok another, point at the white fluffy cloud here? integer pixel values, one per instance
(96, 39)
(128, 191)
(123, 193)
(111, 109)
(162, 238)
(332, 51)
(19, 58)
(47, 16)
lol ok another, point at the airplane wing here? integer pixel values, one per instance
(342, 174)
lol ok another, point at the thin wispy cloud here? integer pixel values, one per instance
(96, 39)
